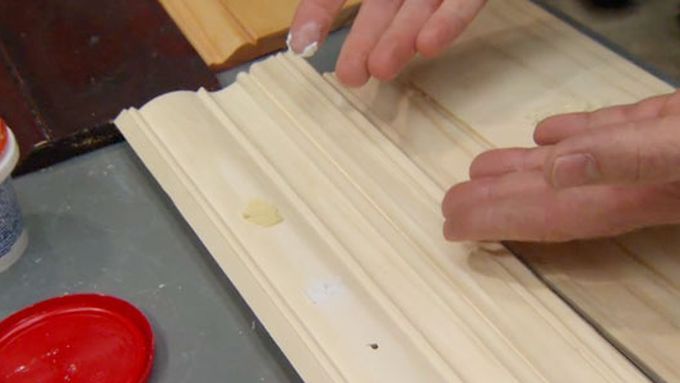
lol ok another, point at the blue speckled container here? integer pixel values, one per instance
(13, 237)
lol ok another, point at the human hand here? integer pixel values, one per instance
(592, 175)
(386, 33)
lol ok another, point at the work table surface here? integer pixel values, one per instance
(100, 223)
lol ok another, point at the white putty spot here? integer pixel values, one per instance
(289, 38)
(162, 285)
(323, 291)
(309, 50)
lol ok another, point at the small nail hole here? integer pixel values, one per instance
(373, 346)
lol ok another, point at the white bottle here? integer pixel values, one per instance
(13, 236)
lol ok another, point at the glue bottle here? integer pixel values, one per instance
(13, 236)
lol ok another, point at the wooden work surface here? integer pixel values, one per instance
(230, 32)
(356, 284)
(67, 67)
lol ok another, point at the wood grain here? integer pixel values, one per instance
(230, 32)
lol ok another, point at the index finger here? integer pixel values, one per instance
(311, 23)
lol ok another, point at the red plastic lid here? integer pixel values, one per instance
(76, 338)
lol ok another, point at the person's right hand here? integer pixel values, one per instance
(386, 33)
(593, 174)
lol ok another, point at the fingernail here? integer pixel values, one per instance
(450, 231)
(305, 40)
(574, 170)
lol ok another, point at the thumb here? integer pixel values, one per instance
(631, 153)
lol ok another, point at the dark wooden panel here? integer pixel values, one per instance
(69, 66)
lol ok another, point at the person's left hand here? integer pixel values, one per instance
(592, 175)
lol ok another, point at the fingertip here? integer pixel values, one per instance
(499, 162)
(478, 167)
(428, 45)
(540, 138)
(351, 70)
(383, 65)
(351, 76)
(464, 227)
(540, 135)
(553, 129)
(447, 201)
(445, 25)
(459, 195)
(474, 172)
(450, 231)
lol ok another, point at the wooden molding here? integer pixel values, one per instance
(357, 284)
(230, 32)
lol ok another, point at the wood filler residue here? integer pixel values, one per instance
(262, 213)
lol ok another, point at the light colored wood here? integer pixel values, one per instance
(357, 175)
(229, 32)
(352, 264)
(628, 286)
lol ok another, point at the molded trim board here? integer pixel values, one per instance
(357, 284)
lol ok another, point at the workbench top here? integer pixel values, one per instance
(100, 223)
